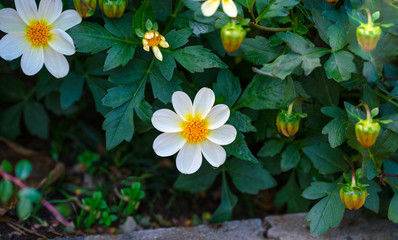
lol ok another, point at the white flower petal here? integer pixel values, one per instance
(217, 116)
(32, 60)
(182, 104)
(158, 54)
(229, 8)
(67, 19)
(11, 22)
(210, 7)
(189, 158)
(223, 135)
(27, 10)
(166, 120)
(49, 10)
(61, 42)
(203, 102)
(214, 153)
(12, 46)
(56, 63)
(167, 144)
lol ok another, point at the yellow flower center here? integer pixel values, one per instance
(153, 38)
(38, 33)
(195, 130)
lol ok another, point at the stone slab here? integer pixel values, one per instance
(353, 226)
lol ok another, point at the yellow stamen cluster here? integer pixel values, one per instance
(195, 131)
(38, 34)
(153, 39)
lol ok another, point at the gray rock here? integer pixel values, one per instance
(353, 226)
(247, 229)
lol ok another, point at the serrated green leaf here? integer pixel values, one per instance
(291, 195)
(372, 201)
(98, 88)
(274, 8)
(262, 93)
(336, 129)
(71, 89)
(393, 209)
(196, 58)
(178, 38)
(161, 87)
(258, 50)
(326, 159)
(241, 122)
(271, 148)
(23, 169)
(340, 65)
(144, 111)
(36, 119)
(249, 177)
(228, 202)
(118, 55)
(227, 87)
(166, 66)
(318, 190)
(198, 181)
(143, 14)
(290, 157)
(327, 213)
(240, 149)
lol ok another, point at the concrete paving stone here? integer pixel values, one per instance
(354, 226)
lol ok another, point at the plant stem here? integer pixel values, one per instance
(45, 203)
(172, 17)
(386, 98)
(268, 29)
(353, 181)
(251, 10)
(368, 116)
(391, 183)
(369, 16)
(290, 109)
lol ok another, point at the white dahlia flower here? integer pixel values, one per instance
(194, 129)
(38, 35)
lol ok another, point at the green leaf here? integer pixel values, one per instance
(249, 177)
(327, 213)
(340, 65)
(393, 209)
(372, 201)
(240, 149)
(23, 169)
(98, 88)
(326, 159)
(274, 8)
(241, 122)
(228, 201)
(10, 119)
(6, 166)
(166, 66)
(143, 14)
(196, 58)
(291, 195)
(271, 148)
(199, 181)
(162, 88)
(227, 88)
(290, 157)
(338, 33)
(179, 38)
(318, 190)
(282, 67)
(36, 119)
(24, 208)
(29, 193)
(369, 169)
(337, 127)
(259, 51)
(144, 111)
(6, 190)
(118, 55)
(262, 93)
(71, 89)
(385, 146)
(393, 126)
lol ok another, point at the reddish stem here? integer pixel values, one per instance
(45, 203)
(85, 4)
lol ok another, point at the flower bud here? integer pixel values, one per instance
(368, 35)
(353, 197)
(113, 8)
(232, 36)
(82, 8)
(332, 1)
(366, 132)
(288, 124)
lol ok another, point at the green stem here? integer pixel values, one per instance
(268, 29)
(172, 17)
(389, 99)
(369, 16)
(391, 183)
(251, 10)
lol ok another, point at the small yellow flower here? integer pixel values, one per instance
(153, 39)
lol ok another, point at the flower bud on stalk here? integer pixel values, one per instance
(368, 34)
(113, 8)
(232, 36)
(367, 130)
(85, 8)
(288, 121)
(353, 194)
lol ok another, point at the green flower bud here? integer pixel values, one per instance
(232, 36)
(288, 124)
(83, 10)
(113, 8)
(353, 197)
(368, 35)
(366, 132)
